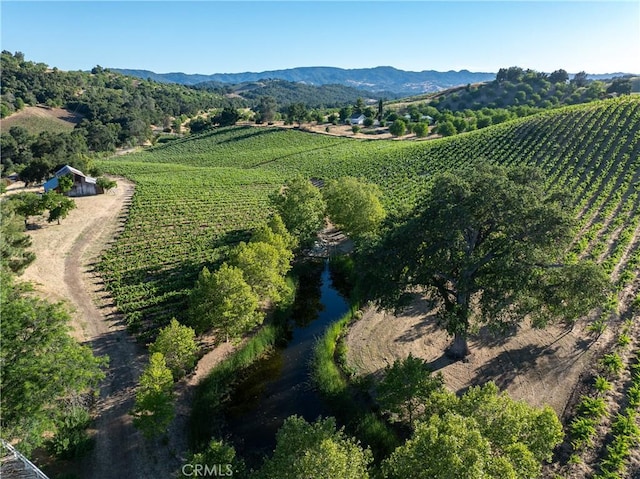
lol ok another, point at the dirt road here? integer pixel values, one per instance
(63, 270)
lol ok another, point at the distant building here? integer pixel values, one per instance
(83, 185)
(357, 119)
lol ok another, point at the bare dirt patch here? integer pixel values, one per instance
(538, 366)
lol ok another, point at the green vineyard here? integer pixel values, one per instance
(197, 195)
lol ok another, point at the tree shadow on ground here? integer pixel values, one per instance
(417, 306)
(428, 325)
(441, 362)
(489, 337)
(504, 368)
(251, 133)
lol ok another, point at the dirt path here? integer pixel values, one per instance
(62, 271)
(539, 366)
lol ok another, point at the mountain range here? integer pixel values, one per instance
(372, 79)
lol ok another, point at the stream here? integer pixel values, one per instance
(279, 385)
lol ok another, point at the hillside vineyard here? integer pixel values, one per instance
(197, 195)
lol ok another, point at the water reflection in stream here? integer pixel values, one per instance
(279, 386)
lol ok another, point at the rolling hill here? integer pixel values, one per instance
(286, 92)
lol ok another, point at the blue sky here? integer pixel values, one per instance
(228, 37)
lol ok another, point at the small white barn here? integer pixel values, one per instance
(357, 119)
(83, 185)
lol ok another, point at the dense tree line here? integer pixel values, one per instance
(98, 95)
(35, 157)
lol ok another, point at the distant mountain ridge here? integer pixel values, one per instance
(376, 79)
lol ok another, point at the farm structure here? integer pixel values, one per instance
(357, 119)
(83, 185)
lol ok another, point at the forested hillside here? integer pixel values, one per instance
(515, 87)
(116, 110)
(286, 92)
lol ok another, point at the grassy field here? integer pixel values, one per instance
(37, 119)
(197, 195)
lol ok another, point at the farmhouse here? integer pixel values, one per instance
(357, 119)
(83, 185)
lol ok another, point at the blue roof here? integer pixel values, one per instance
(51, 184)
(66, 169)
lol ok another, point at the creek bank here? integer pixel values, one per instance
(278, 385)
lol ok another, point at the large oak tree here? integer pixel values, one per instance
(489, 244)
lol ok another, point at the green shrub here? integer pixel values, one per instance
(602, 385)
(624, 340)
(592, 407)
(634, 396)
(71, 440)
(625, 425)
(582, 432)
(617, 454)
(598, 326)
(612, 363)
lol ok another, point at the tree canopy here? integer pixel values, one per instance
(297, 112)
(263, 268)
(177, 343)
(301, 207)
(489, 243)
(224, 301)
(483, 434)
(266, 109)
(315, 450)
(58, 205)
(407, 384)
(43, 369)
(398, 127)
(275, 234)
(153, 409)
(354, 206)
